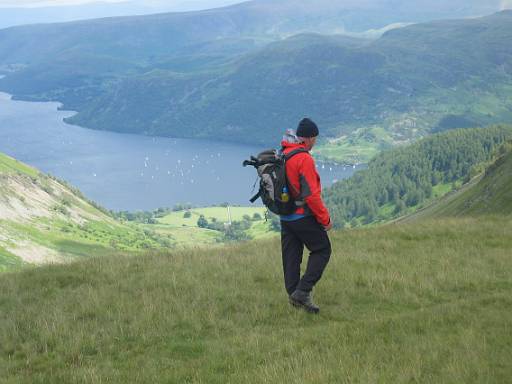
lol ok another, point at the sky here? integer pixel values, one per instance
(47, 3)
(505, 4)
(19, 12)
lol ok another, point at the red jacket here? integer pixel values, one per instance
(305, 183)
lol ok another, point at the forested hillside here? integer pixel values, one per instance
(412, 81)
(486, 195)
(403, 179)
(149, 37)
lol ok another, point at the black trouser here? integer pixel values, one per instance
(294, 235)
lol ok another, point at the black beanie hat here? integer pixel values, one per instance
(307, 128)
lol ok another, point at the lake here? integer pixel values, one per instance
(131, 172)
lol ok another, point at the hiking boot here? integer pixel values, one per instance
(302, 299)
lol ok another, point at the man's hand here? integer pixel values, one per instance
(328, 227)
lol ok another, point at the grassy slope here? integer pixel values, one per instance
(472, 145)
(425, 303)
(8, 165)
(59, 237)
(493, 194)
(490, 193)
(8, 261)
(43, 217)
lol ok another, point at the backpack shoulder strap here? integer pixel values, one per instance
(288, 156)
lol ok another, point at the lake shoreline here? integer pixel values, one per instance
(130, 172)
(62, 107)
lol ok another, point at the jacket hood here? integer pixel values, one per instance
(290, 140)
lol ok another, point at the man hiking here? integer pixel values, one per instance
(309, 224)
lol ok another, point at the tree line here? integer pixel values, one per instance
(403, 178)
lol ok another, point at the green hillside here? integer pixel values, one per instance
(424, 300)
(428, 303)
(44, 220)
(408, 82)
(8, 165)
(488, 194)
(404, 179)
(492, 195)
(414, 80)
(151, 37)
(405, 82)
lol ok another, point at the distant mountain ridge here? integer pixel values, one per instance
(122, 37)
(10, 16)
(163, 75)
(409, 82)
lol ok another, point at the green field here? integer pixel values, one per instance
(357, 148)
(423, 303)
(176, 219)
(188, 236)
(185, 231)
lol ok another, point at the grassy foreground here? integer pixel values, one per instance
(422, 303)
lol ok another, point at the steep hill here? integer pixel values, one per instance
(431, 76)
(488, 194)
(425, 303)
(43, 220)
(144, 37)
(408, 82)
(402, 180)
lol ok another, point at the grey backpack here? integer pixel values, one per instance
(274, 188)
